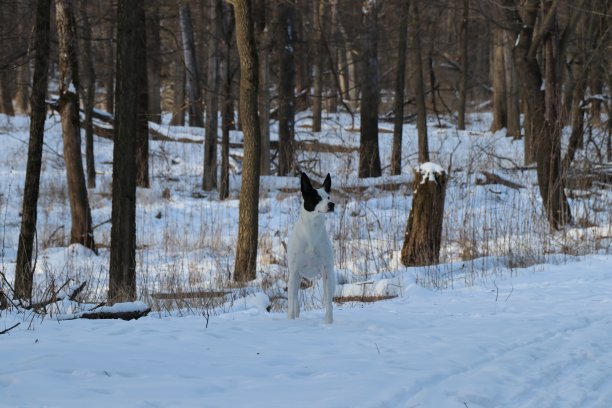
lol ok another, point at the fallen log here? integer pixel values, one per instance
(491, 178)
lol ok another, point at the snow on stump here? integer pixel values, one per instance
(424, 229)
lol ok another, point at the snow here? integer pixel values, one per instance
(515, 315)
(536, 339)
(429, 170)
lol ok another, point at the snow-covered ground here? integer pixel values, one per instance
(539, 339)
(515, 316)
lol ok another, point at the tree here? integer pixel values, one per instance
(192, 83)
(398, 107)
(286, 87)
(227, 115)
(246, 250)
(464, 65)
(318, 63)
(419, 84)
(154, 62)
(81, 230)
(88, 78)
(543, 104)
(209, 178)
(369, 156)
(24, 269)
(262, 24)
(131, 112)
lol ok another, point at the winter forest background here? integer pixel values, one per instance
(150, 160)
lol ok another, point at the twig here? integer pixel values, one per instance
(10, 328)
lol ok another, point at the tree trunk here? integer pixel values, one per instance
(577, 115)
(192, 83)
(108, 72)
(498, 79)
(246, 250)
(6, 93)
(423, 237)
(262, 15)
(227, 115)
(154, 62)
(400, 79)
(131, 109)
(209, 179)
(464, 65)
(22, 105)
(81, 231)
(23, 269)
(369, 156)
(513, 111)
(178, 101)
(318, 64)
(286, 88)
(542, 105)
(88, 79)
(419, 86)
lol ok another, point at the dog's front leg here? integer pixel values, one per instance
(329, 290)
(293, 299)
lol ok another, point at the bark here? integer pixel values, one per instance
(209, 179)
(88, 79)
(6, 92)
(286, 88)
(398, 110)
(498, 80)
(464, 65)
(577, 134)
(24, 270)
(227, 116)
(22, 100)
(263, 37)
(369, 156)
(131, 73)
(178, 102)
(246, 251)
(423, 237)
(107, 75)
(318, 64)
(419, 86)
(513, 111)
(542, 104)
(154, 61)
(81, 230)
(192, 83)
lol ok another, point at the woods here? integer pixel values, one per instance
(270, 88)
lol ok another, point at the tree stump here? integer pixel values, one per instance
(424, 228)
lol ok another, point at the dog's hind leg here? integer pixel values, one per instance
(293, 303)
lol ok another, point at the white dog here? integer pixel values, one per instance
(309, 250)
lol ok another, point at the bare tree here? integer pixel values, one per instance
(154, 62)
(400, 79)
(209, 179)
(192, 84)
(369, 156)
(227, 114)
(246, 250)
(318, 63)
(131, 112)
(419, 84)
(24, 270)
(88, 79)
(286, 87)
(543, 104)
(81, 230)
(464, 65)
(263, 25)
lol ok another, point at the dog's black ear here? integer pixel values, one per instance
(327, 184)
(305, 184)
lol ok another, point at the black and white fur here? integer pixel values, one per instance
(309, 251)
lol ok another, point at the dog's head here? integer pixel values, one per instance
(316, 200)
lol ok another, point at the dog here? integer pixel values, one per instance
(309, 250)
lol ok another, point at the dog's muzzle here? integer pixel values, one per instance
(330, 207)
